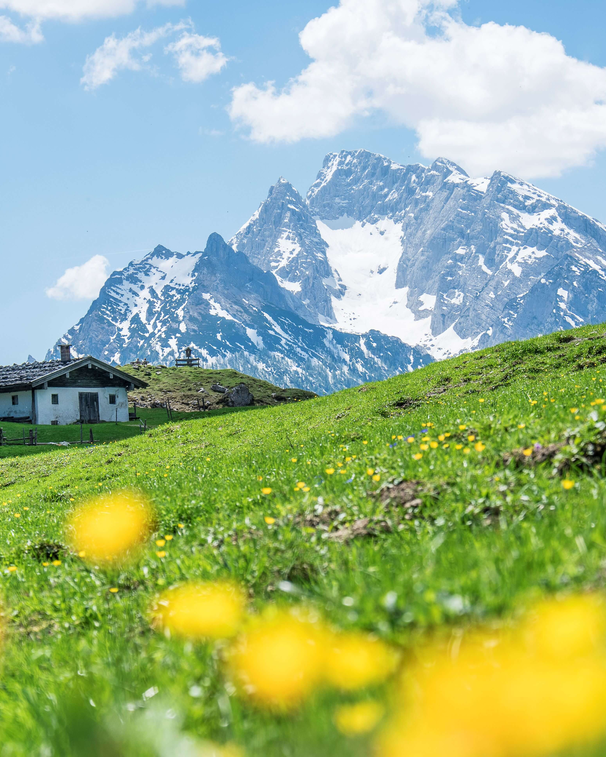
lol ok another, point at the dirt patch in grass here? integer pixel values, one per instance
(530, 456)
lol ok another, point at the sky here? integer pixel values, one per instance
(131, 123)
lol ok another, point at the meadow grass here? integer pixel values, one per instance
(490, 531)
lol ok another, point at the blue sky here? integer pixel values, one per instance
(149, 158)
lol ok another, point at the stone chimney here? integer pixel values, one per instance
(65, 353)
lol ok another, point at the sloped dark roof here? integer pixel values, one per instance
(18, 375)
(28, 375)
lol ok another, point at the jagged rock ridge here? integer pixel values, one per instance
(235, 316)
(432, 256)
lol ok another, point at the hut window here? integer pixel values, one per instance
(15, 399)
(112, 399)
(54, 399)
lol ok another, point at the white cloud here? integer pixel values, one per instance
(82, 282)
(78, 10)
(195, 57)
(488, 97)
(119, 54)
(10, 32)
(192, 52)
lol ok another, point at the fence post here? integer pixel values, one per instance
(92, 438)
(1, 437)
(31, 437)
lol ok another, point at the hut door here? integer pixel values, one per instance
(89, 407)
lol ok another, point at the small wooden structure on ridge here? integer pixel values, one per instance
(188, 361)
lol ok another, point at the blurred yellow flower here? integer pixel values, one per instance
(376, 477)
(527, 452)
(266, 490)
(479, 447)
(424, 447)
(354, 661)
(201, 610)
(111, 527)
(360, 718)
(418, 456)
(270, 521)
(330, 471)
(568, 484)
(209, 749)
(278, 662)
(434, 445)
(535, 692)
(370, 471)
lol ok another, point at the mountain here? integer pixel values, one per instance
(430, 255)
(234, 315)
(380, 268)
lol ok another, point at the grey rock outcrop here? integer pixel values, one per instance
(240, 396)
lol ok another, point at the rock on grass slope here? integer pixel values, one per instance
(414, 507)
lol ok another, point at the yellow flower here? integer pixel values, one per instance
(168, 537)
(330, 471)
(521, 425)
(56, 563)
(278, 662)
(111, 527)
(462, 428)
(12, 569)
(370, 471)
(266, 490)
(355, 661)
(301, 484)
(161, 554)
(306, 489)
(365, 442)
(360, 718)
(471, 438)
(160, 542)
(418, 456)
(424, 447)
(114, 591)
(479, 447)
(574, 410)
(466, 451)
(434, 445)
(527, 452)
(568, 484)
(376, 477)
(458, 446)
(538, 691)
(442, 437)
(45, 564)
(481, 400)
(201, 610)
(293, 459)
(270, 521)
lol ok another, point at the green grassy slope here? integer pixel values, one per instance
(181, 387)
(489, 530)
